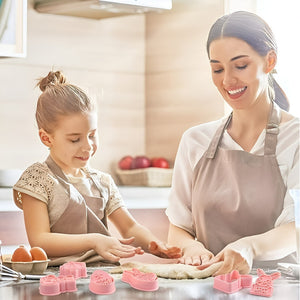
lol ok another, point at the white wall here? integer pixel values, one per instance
(180, 92)
(150, 75)
(105, 57)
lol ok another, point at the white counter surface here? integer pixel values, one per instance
(284, 288)
(134, 198)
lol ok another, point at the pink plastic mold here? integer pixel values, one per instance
(67, 284)
(232, 282)
(140, 281)
(77, 269)
(102, 283)
(263, 285)
(51, 285)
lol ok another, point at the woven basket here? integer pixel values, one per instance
(155, 177)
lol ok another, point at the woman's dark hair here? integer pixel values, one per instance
(255, 32)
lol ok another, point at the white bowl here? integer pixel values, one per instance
(292, 269)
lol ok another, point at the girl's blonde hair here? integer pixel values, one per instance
(59, 98)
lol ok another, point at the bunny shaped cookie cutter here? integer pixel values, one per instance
(263, 285)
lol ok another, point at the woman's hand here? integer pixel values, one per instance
(113, 249)
(235, 256)
(164, 251)
(232, 260)
(195, 254)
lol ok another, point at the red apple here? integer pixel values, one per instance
(140, 162)
(125, 162)
(159, 162)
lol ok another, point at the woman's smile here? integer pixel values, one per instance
(236, 93)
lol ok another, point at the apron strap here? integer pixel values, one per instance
(93, 176)
(213, 146)
(272, 130)
(56, 170)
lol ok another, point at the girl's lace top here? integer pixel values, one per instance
(39, 182)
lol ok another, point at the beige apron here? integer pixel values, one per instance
(236, 193)
(84, 214)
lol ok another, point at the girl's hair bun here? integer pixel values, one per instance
(52, 79)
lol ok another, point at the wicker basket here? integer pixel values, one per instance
(155, 177)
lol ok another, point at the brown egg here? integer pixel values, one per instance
(21, 254)
(38, 253)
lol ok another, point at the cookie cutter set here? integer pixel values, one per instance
(233, 282)
(101, 282)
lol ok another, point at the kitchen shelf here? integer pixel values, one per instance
(6, 200)
(134, 198)
(145, 197)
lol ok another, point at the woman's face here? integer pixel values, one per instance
(74, 141)
(238, 72)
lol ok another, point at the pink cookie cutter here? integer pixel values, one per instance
(51, 285)
(263, 285)
(140, 281)
(102, 283)
(77, 269)
(232, 282)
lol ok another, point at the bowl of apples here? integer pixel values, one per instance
(144, 171)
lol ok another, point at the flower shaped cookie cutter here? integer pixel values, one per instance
(77, 269)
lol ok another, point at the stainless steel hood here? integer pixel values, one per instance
(99, 9)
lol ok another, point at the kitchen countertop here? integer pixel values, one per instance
(135, 197)
(284, 288)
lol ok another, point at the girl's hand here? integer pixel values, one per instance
(113, 249)
(164, 251)
(195, 254)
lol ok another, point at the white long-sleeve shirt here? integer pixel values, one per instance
(195, 142)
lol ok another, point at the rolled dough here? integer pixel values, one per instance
(172, 271)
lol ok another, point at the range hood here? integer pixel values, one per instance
(99, 9)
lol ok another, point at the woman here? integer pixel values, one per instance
(229, 200)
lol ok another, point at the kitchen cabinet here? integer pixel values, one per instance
(13, 28)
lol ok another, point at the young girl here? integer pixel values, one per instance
(230, 191)
(65, 202)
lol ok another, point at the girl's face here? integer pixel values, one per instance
(238, 72)
(74, 141)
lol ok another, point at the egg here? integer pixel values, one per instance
(38, 253)
(21, 254)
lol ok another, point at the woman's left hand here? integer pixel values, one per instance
(164, 251)
(235, 256)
